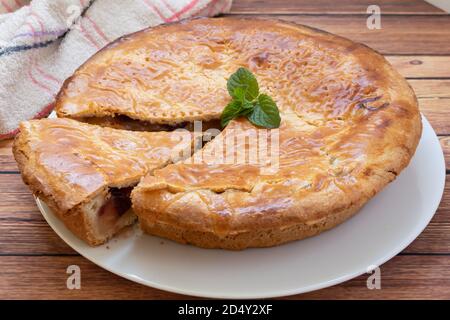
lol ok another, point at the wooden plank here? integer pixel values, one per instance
(407, 35)
(406, 277)
(12, 184)
(330, 7)
(7, 162)
(431, 88)
(436, 236)
(23, 237)
(421, 66)
(45, 278)
(445, 143)
(23, 230)
(437, 112)
(403, 277)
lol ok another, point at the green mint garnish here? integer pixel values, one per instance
(242, 84)
(265, 113)
(259, 108)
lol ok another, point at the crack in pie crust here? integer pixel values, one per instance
(349, 125)
(84, 173)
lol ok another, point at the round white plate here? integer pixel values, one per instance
(383, 228)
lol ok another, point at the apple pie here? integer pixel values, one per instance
(349, 125)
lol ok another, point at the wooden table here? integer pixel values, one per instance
(415, 37)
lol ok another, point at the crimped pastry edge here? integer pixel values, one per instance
(256, 238)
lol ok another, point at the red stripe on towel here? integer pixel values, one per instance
(45, 111)
(9, 135)
(46, 75)
(37, 83)
(155, 9)
(31, 27)
(88, 36)
(225, 4)
(38, 20)
(97, 29)
(183, 10)
(204, 9)
(211, 8)
(168, 6)
(6, 6)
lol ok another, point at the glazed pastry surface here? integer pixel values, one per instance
(71, 161)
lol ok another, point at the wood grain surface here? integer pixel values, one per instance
(325, 7)
(415, 38)
(399, 34)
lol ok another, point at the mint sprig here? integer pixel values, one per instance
(259, 108)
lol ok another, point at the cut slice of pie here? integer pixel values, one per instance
(85, 173)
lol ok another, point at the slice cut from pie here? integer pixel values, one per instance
(85, 173)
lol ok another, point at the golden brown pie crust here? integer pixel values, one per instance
(68, 163)
(350, 124)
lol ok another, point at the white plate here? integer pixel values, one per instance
(383, 228)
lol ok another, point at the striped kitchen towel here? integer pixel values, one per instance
(42, 42)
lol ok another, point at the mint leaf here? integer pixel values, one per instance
(247, 107)
(265, 113)
(231, 111)
(239, 93)
(245, 79)
(260, 109)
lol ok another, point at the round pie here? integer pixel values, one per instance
(349, 125)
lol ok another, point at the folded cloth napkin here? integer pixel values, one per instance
(42, 42)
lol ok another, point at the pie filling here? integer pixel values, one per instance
(126, 123)
(118, 203)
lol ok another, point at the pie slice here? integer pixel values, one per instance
(349, 125)
(85, 173)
